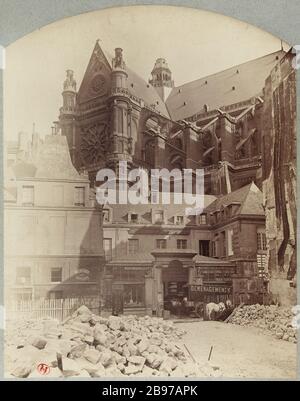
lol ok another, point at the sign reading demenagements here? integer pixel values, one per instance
(211, 289)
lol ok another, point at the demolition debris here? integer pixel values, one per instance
(87, 345)
(273, 319)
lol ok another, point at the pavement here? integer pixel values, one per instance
(240, 352)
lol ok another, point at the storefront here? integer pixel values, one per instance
(164, 281)
(210, 293)
(213, 280)
(126, 285)
(173, 272)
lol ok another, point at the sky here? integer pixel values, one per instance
(195, 44)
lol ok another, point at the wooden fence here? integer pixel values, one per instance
(54, 308)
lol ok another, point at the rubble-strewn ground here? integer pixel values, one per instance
(93, 346)
(271, 319)
(241, 351)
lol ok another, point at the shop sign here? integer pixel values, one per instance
(210, 289)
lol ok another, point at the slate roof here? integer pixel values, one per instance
(249, 199)
(167, 251)
(147, 258)
(51, 160)
(145, 91)
(120, 212)
(199, 259)
(139, 88)
(139, 258)
(216, 90)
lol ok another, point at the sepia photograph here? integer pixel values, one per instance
(150, 216)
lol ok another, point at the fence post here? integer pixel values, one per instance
(62, 309)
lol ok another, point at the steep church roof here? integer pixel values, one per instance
(137, 86)
(249, 199)
(140, 88)
(234, 85)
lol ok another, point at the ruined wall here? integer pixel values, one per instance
(279, 175)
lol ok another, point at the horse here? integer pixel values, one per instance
(228, 304)
(212, 310)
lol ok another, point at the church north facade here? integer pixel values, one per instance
(150, 255)
(214, 123)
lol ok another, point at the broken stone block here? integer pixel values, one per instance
(39, 342)
(51, 328)
(118, 358)
(154, 349)
(28, 354)
(132, 349)
(62, 346)
(49, 357)
(136, 338)
(155, 341)
(78, 351)
(101, 327)
(154, 361)
(85, 317)
(126, 351)
(132, 369)
(89, 339)
(93, 320)
(80, 328)
(83, 373)
(103, 320)
(121, 367)
(92, 355)
(65, 346)
(70, 367)
(147, 371)
(100, 372)
(50, 324)
(136, 360)
(121, 341)
(114, 323)
(101, 348)
(106, 358)
(100, 338)
(22, 369)
(190, 369)
(113, 371)
(83, 310)
(168, 365)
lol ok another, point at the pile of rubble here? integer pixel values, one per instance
(273, 319)
(88, 345)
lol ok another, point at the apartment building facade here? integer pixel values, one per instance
(53, 247)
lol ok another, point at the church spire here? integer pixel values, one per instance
(161, 78)
(69, 91)
(68, 111)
